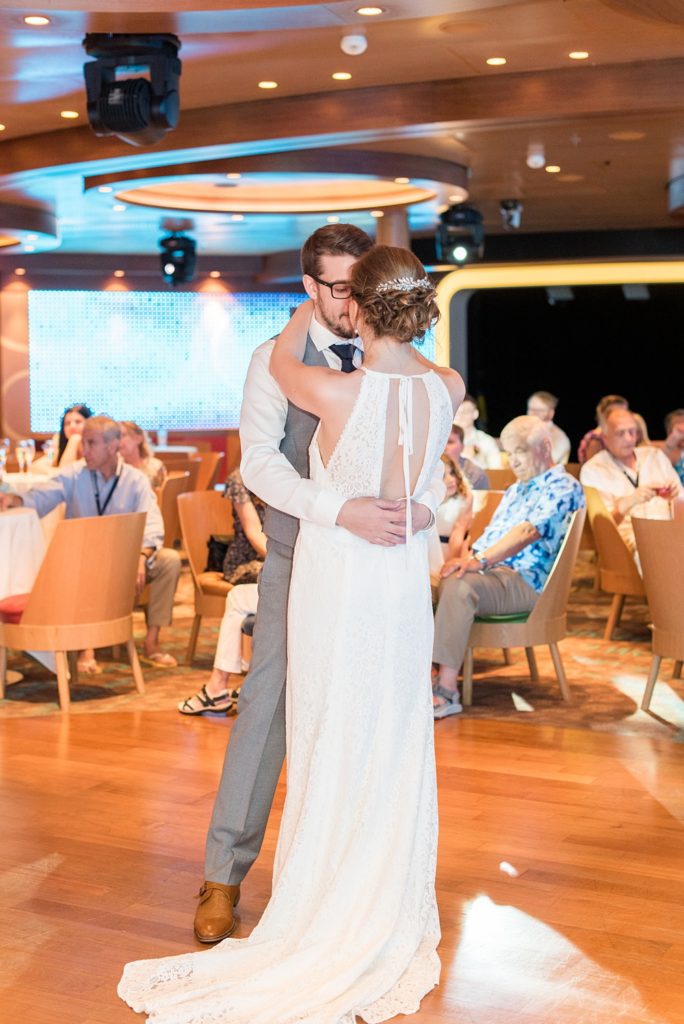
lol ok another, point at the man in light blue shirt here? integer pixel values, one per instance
(511, 561)
(103, 484)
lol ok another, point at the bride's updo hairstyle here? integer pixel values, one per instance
(394, 293)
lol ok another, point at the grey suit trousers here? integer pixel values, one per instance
(256, 750)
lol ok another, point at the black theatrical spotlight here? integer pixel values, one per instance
(460, 235)
(178, 256)
(132, 85)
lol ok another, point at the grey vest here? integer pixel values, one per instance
(299, 429)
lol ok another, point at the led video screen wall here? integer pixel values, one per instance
(164, 359)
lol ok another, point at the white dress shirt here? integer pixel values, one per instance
(653, 469)
(264, 468)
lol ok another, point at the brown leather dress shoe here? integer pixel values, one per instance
(215, 919)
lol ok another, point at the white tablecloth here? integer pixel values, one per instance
(20, 483)
(22, 548)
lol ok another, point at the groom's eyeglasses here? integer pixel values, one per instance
(339, 289)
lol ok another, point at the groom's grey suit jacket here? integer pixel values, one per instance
(299, 429)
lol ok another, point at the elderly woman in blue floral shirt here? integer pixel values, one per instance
(509, 564)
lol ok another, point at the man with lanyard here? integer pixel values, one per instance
(631, 481)
(103, 484)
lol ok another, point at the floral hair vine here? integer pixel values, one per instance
(403, 284)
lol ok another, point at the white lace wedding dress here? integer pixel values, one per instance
(351, 929)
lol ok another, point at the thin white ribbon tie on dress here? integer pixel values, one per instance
(406, 443)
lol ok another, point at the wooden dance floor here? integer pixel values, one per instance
(561, 869)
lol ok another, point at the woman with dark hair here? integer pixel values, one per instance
(65, 447)
(351, 929)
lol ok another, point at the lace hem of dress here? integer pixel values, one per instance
(420, 977)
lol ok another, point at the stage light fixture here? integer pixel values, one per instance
(460, 235)
(122, 101)
(178, 256)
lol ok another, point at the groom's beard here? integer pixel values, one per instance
(341, 325)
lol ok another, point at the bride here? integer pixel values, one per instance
(351, 929)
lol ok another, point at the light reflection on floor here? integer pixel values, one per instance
(507, 959)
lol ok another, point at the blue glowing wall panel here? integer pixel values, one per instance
(171, 360)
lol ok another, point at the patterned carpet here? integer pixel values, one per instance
(606, 679)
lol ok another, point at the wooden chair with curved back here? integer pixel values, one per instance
(500, 479)
(82, 597)
(618, 574)
(545, 624)
(208, 470)
(203, 513)
(661, 551)
(182, 464)
(482, 517)
(177, 482)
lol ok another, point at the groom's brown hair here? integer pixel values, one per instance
(333, 240)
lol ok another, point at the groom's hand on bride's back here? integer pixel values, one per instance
(381, 522)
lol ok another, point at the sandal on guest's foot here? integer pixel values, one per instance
(159, 659)
(451, 706)
(201, 702)
(89, 667)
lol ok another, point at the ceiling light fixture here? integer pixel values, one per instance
(267, 85)
(119, 208)
(536, 158)
(377, 214)
(2, 127)
(341, 76)
(29, 248)
(19, 271)
(233, 175)
(36, 20)
(496, 62)
(370, 12)
(119, 273)
(178, 257)
(578, 54)
(401, 181)
(552, 169)
(104, 188)
(139, 109)
(68, 115)
(238, 216)
(333, 220)
(214, 273)
(460, 235)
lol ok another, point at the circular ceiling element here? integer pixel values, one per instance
(272, 193)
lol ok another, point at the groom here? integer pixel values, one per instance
(275, 438)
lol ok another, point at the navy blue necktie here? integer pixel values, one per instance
(346, 355)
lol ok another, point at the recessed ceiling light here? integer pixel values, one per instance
(2, 127)
(238, 216)
(496, 62)
(19, 271)
(341, 76)
(68, 115)
(268, 85)
(401, 181)
(333, 220)
(578, 54)
(36, 19)
(32, 238)
(370, 12)
(29, 248)
(377, 214)
(627, 136)
(119, 208)
(214, 273)
(552, 169)
(233, 175)
(119, 273)
(104, 188)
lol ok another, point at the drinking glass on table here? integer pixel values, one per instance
(29, 446)
(4, 452)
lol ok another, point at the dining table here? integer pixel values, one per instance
(20, 483)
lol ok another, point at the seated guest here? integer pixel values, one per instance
(247, 550)
(452, 519)
(481, 448)
(509, 564)
(632, 481)
(475, 475)
(215, 694)
(543, 404)
(674, 441)
(136, 452)
(66, 446)
(592, 442)
(104, 485)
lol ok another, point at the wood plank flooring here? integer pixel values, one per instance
(561, 880)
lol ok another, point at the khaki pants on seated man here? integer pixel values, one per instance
(162, 573)
(497, 591)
